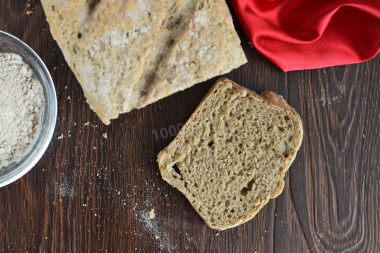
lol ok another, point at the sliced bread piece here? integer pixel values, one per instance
(231, 156)
(127, 54)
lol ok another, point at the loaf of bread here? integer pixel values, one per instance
(231, 156)
(127, 54)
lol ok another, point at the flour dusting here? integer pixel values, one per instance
(64, 188)
(329, 99)
(155, 227)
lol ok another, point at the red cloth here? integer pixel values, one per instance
(308, 34)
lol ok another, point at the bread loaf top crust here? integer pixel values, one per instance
(128, 54)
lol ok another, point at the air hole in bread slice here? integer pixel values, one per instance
(92, 5)
(247, 189)
(177, 171)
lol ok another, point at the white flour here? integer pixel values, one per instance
(21, 103)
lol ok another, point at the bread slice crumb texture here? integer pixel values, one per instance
(231, 156)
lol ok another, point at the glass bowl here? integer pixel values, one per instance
(15, 170)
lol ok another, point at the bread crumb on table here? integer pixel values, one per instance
(29, 12)
(152, 215)
(60, 137)
(105, 136)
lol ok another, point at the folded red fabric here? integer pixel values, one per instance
(308, 34)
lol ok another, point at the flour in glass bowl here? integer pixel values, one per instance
(21, 104)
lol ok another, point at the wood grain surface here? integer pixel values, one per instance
(93, 194)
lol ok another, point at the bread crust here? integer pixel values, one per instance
(268, 97)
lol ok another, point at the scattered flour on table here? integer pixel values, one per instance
(154, 226)
(21, 106)
(335, 96)
(64, 188)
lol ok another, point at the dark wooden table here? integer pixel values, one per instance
(93, 194)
